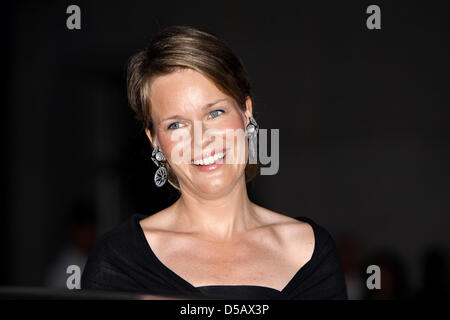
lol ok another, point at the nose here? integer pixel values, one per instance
(203, 139)
(197, 134)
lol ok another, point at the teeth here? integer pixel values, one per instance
(209, 160)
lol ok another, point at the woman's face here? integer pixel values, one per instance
(189, 112)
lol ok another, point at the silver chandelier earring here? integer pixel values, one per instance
(161, 173)
(252, 133)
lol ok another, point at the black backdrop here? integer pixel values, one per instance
(363, 118)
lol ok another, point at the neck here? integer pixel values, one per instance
(220, 219)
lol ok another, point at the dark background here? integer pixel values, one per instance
(363, 118)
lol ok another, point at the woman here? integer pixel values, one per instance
(213, 241)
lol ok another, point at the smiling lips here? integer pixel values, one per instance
(204, 161)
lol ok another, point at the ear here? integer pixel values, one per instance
(249, 108)
(149, 136)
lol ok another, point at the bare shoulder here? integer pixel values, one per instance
(292, 234)
(159, 221)
(157, 227)
(287, 224)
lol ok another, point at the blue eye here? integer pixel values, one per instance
(171, 126)
(218, 110)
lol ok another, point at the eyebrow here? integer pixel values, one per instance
(206, 106)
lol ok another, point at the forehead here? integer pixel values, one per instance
(182, 91)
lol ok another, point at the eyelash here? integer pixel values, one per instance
(169, 127)
(223, 111)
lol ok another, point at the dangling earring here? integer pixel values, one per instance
(161, 174)
(252, 132)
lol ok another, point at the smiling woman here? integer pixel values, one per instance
(213, 241)
(204, 58)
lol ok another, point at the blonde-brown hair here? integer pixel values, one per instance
(179, 47)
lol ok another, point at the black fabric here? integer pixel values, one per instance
(122, 260)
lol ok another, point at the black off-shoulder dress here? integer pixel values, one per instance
(122, 261)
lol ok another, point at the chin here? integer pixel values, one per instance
(215, 182)
(214, 185)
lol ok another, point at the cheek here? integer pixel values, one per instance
(166, 143)
(234, 139)
(229, 127)
(234, 121)
(176, 146)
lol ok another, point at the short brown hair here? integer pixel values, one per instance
(180, 47)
